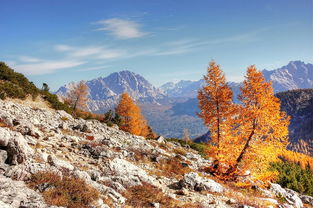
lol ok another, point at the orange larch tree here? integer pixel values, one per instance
(216, 109)
(132, 119)
(77, 96)
(262, 128)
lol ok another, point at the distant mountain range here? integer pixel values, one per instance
(177, 101)
(295, 75)
(104, 93)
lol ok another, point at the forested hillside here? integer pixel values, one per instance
(299, 105)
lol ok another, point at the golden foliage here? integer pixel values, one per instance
(132, 119)
(298, 158)
(216, 109)
(248, 136)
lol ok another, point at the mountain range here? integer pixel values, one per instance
(176, 102)
(104, 92)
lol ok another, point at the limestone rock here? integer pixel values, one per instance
(17, 149)
(195, 182)
(291, 196)
(60, 164)
(16, 194)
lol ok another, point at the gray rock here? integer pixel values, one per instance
(127, 173)
(17, 149)
(195, 182)
(16, 194)
(291, 196)
(60, 164)
(307, 199)
(5, 137)
(160, 139)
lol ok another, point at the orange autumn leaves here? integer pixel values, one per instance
(132, 119)
(245, 136)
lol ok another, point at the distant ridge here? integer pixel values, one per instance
(295, 75)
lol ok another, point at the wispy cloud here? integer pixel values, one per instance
(93, 68)
(46, 67)
(91, 52)
(121, 28)
(28, 59)
(62, 47)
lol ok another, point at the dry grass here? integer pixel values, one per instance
(180, 151)
(247, 198)
(72, 133)
(142, 155)
(147, 194)
(64, 118)
(67, 191)
(170, 167)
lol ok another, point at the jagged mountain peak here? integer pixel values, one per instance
(104, 92)
(294, 75)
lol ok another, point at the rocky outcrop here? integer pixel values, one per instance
(291, 196)
(16, 194)
(15, 145)
(195, 182)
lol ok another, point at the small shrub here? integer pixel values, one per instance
(294, 177)
(180, 151)
(172, 167)
(67, 191)
(55, 103)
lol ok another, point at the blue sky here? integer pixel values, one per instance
(59, 41)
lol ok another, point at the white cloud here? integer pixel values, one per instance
(121, 29)
(62, 47)
(86, 51)
(91, 52)
(93, 68)
(46, 67)
(28, 59)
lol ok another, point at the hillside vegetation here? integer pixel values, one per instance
(16, 85)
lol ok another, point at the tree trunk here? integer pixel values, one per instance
(243, 151)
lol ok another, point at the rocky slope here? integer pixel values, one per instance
(126, 170)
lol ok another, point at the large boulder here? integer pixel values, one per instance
(291, 196)
(15, 145)
(128, 174)
(195, 182)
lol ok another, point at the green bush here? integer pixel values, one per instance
(292, 176)
(53, 100)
